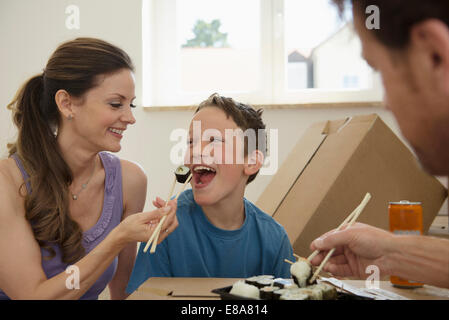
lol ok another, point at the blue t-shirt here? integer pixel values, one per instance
(199, 249)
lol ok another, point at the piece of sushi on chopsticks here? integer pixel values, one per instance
(182, 175)
(301, 271)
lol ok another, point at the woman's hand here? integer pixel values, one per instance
(140, 226)
(159, 203)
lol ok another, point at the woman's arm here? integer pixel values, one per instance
(134, 186)
(21, 273)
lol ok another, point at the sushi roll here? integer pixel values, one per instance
(313, 293)
(267, 293)
(256, 279)
(294, 296)
(252, 280)
(329, 292)
(291, 286)
(278, 293)
(284, 283)
(301, 272)
(264, 283)
(240, 288)
(182, 173)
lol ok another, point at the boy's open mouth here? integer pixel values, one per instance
(203, 175)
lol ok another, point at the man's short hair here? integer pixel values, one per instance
(398, 16)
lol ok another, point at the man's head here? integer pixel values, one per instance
(227, 145)
(411, 51)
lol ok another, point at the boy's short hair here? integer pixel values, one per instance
(246, 117)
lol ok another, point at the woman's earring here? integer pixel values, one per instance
(70, 117)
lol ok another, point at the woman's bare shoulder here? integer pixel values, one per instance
(134, 182)
(133, 173)
(9, 172)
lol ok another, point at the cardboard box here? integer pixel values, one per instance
(330, 170)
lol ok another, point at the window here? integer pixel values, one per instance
(218, 45)
(257, 51)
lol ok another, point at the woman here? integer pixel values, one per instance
(68, 218)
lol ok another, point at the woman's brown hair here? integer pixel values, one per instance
(75, 67)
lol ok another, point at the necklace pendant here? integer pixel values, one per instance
(83, 186)
(74, 197)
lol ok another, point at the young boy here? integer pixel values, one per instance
(220, 233)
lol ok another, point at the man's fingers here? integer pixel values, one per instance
(320, 256)
(339, 270)
(331, 240)
(338, 259)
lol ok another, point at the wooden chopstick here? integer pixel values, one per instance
(158, 228)
(368, 195)
(153, 234)
(353, 217)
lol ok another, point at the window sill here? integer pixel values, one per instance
(333, 105)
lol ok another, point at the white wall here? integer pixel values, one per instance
(31, 30)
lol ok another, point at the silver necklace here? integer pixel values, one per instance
(84, 185)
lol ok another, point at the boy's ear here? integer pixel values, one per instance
(254, 163)
(65, 104)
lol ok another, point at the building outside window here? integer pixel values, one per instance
(257, 51)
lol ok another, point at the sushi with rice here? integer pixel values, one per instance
(268, 288)
(285, 283)
(260, 281)
(278, 293)
(294, 296)
(301, 272)
(240, 288)
(313, 293)
(182, 173)
(329, 291)
(267, 293)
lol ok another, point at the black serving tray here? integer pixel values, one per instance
(225, 295)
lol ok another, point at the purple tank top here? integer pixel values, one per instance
(109, 219)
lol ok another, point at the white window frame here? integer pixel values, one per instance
(161, 64)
